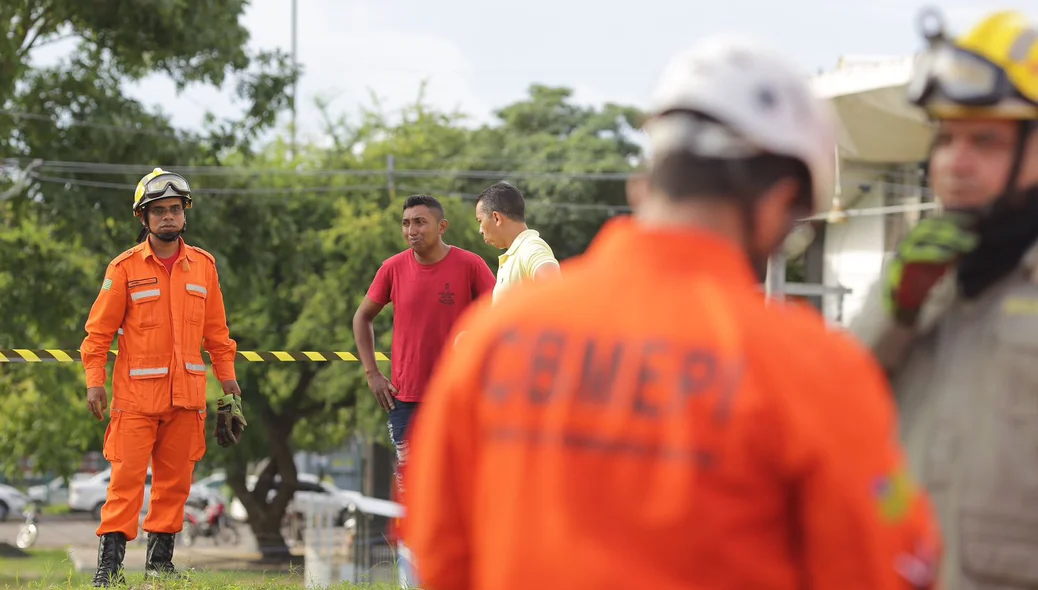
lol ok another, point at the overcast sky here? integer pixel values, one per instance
(480, 55)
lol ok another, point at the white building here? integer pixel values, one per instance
(883, 143)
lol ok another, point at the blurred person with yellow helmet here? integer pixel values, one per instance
(163, 299)
(955, 318)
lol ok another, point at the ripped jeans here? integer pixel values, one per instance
(399, 421)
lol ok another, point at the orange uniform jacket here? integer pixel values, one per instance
(648, 420)
(162, 320)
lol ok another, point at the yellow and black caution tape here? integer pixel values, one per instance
(53, 355)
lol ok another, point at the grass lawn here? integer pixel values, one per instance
(55, 509)
(50, 568)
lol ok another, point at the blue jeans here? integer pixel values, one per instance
(400, 418)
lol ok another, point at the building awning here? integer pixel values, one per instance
(878, 125)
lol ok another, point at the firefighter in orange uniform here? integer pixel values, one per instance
(162, 297)
(648, 420)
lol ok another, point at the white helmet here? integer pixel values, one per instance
(763, 101)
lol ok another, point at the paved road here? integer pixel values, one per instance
(56, 532)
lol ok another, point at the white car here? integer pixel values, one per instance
(89, 495)
(55, 491)
(11, 501)
(310, 486)
(213, 485)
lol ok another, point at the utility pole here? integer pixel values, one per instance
(390, 180)
(295, 84)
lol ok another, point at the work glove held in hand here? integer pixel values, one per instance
(230, 422)
(929, 250)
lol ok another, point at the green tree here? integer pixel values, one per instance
(60, 231)
(568, 160)
(301, 265)
(297, 242)
(308, 260)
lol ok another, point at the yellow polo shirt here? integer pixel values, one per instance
(522, 259)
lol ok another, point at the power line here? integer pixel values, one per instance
(71, 182)
(75, 168)
(225, 171)
(221, 171)
(532, 203)
(610, 209)
(214, 191)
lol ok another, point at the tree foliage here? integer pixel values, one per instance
(297, 237)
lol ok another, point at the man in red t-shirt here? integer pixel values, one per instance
(429, 284)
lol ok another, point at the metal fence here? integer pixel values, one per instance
(353, 552)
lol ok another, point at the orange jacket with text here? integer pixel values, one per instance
(648, 420)
(159, 364)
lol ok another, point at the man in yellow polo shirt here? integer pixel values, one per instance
(501, 212)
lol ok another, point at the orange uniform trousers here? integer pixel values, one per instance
(172, 442)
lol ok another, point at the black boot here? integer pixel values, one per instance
(159, 561)
(111, 550)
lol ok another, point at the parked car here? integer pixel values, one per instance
(309, 487)
(11, 500)
(55, 491)
(89, 495)
(214, 483)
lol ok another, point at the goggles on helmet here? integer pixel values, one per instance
(953, 74)
(163, 183)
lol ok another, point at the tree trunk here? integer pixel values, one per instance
(267, 502)
(269, 539)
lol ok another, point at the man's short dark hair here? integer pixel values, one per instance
(684, 176)
(429, 201)
(505, 199)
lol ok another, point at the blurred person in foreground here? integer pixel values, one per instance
(501, 214)
(954, 319)
(647, 419)
(163, 299)
(429, 284)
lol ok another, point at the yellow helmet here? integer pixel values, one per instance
(991, 72)
(159, 184)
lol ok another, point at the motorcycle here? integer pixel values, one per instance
(28, 532)
(208, 522)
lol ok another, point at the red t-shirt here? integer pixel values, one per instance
(426, 301)
(168, 262)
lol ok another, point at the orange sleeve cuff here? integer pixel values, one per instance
(224, 371)
(96, 376)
